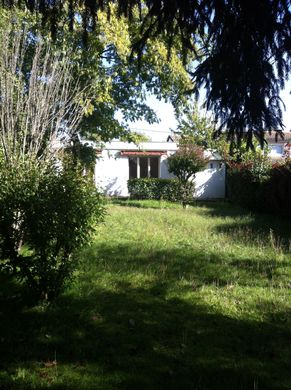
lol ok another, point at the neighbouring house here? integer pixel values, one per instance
(120, 161)
(279, 148)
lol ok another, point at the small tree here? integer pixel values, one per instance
(184, 164)
(195, 127)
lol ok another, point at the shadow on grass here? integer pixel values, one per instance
(247, 226)
(212, 207)
(146, 204)
(198, 266)
(134, 337)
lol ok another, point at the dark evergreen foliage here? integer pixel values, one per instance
(271, 195)
(244, 51)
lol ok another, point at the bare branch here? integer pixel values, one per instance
(39, 99)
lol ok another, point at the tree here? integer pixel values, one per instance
(198, 129)
(119, 82)
(184, 164)
(244, 56)
(40, 100)
(48, 209)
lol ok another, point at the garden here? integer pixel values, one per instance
(164, 297)
(159, 291)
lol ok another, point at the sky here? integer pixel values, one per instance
(160, 131)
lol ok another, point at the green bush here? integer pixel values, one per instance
(184, 164)
(270, 191)
(153, 188)
(277, 190)
(45, 217)
(187, 161)
(242, 189)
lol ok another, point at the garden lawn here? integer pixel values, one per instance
(165, 298)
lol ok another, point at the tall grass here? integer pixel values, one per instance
(163, 299)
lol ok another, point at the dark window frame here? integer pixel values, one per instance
(148, 167)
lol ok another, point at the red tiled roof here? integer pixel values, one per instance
(146, 153)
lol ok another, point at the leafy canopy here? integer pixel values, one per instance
(242, 49)
(118, 82)
(199, 129)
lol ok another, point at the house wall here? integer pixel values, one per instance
(210, 183)
(112, 173)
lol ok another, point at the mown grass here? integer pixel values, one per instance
(163, 299)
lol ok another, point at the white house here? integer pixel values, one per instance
(279, 148)
(120, 161)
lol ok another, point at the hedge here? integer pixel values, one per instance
(271, 195)
(153, 188)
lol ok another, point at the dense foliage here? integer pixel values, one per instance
(119, 84)
(261, 187)
(187, 161)
(45, 216)
(242, 47)
(152, 188)
(47, 208)
(184, 164)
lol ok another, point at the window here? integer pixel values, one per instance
(143, 167)
(154, 167)
(140, 167)
(132, 167)
(276, 149)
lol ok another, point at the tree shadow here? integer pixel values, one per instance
(196, 266)
(137, 339)
(134, 337)
(220, 208)
(247, 226)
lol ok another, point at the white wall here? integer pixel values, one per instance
(112, 173)
(165, 174)
(210, 183)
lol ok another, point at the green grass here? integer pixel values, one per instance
(163, 299)
(147, 204)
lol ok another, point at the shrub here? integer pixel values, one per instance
(45, 217)
(277, 190)
(184, 164)
(261, 189)
(152, 188)
(241, 188)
